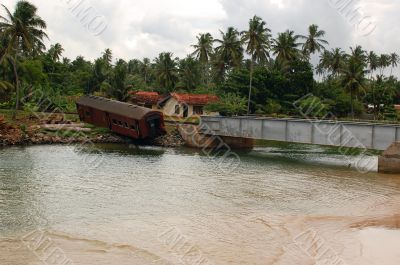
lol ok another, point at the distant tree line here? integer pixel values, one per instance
(252, 71)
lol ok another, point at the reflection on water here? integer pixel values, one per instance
(135, 200)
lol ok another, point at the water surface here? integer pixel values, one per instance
(112, 204)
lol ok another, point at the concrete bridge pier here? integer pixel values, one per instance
(389, 162)
(197, 139)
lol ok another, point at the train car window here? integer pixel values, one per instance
(114, 122)
(126, 125)
(87, 113)
(120, 123)
(177, 109)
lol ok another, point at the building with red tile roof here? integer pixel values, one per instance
(195, 99)
(145, 98)
(185, 105)
(175, 104)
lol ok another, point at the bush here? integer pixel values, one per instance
(272, 107)
(312, 107)
(229, 105)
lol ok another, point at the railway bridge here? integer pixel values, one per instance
(363, 135)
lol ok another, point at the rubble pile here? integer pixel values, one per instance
(54, 130)
(9, 135)
(173, 139)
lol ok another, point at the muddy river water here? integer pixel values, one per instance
(122, 205)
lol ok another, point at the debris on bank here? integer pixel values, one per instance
(172, 139)
(53, 130)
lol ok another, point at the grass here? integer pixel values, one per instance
(195, 120)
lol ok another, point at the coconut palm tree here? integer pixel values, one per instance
(204, 47)
(107, 56)
(146, 69)
(24, 30)
(203, 52)
(189, 69)
(353, 79)
(5, 88)
(333, 61)
(384, 62)
(5, 85)
(324, 64)
(166, 70)
(257, 39)
(134, 66)
(285, 47)
(394, 60)
(118, 80)
(373, 62)
(55, 52)
(359, 55)
(230, 50)
(314, 42)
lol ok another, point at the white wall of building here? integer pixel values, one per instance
(169, 109)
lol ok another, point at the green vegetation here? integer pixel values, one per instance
(253, 71)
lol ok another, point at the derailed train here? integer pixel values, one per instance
(122, 118)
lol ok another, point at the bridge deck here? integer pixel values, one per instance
(331, 133)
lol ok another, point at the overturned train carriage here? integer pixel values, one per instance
(122, 118)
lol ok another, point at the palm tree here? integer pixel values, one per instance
(203, 52)
(4, 85)
(373, 62)
(189, 70)
(353, 79)
(230, 50)
(56, 51)
(324, 65)
(24, 30)
(384, 62)
(314, 42)
(394, 60)
(134, 66)
(166, 70)
(119, 75)
(332, 61)
(66, 61)
(5, 88)
(146, 69)
(257, 39)
(285, 47)
(107, 56)
(359, 55)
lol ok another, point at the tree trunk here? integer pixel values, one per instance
(14, 64)
(205, 79)
(250, 86)
(374, 102)
(352, 103)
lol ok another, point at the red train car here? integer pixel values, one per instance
(122, 118)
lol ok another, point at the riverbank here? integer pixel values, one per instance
(40, 128)
(51, 129)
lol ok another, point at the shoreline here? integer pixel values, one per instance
(56, 129)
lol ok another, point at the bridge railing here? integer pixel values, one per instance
(361, 134)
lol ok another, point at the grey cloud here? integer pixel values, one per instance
(144, 28)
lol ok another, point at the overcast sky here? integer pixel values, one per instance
(144, 28)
